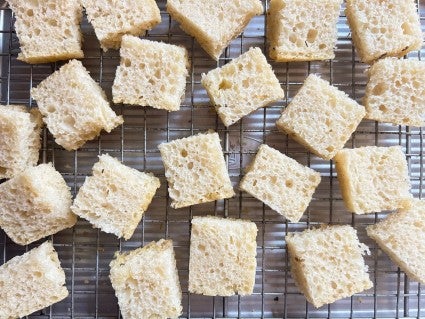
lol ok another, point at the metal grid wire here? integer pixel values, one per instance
(85, 253)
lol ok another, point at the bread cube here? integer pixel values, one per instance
(327, 263)
(402, 235)
(74, 107)
(384, 28)
(280, 182)
(146, 282)
(20, 131)
(35, 204)
(112, 19)
(48, 30)
(222, 256)
(302, 30)
(214, 23)
(395, 92)
(373, 179)
(150, 74)
(31, 282)
(321, 117)
(115, 197)
(242, 86)
(195, 170)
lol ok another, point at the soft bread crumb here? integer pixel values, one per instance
(384, 28)
(327, 263)
(280, 182)
(195, 170)
(146, 282)
(242, 86)
(35, 204)
(402, 236)
(373, 179)
(222, 256)
(302, 30)
(31, 282)
(115, 197)
(321, 117)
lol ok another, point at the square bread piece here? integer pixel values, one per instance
(402, 236)
(214, 23)
(395, 92)
(35, 204)
(300, 30)
(195, 170)
(327, 263)
(373, 179)
(115, 197)
(222, 256)
(383, 28)
(20, 142)
(31, 282)
(74, 107)
(321, 117)
(242, 86)
(146, 282)
(48, 30)
(111, 19)
(280, 182)
(150, 74)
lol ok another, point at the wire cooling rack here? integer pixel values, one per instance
(85, 252)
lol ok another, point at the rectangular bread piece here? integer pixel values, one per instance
(48, 30)
(111, 19)
(222, 256)
(35, 204)
(395, 92)
(327, 263)
(373, 179)
(115, 197)
(321, 117)
(20, 143)
(31, 282)
(74, 106)
(280, 182)
(146, 282)
(214, 23)
(384, 28)
(242, 86)
(299, 30)
(195, 170)
(150, 74)
(402, 236)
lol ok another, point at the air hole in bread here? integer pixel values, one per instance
(322, 46)
(289, 183)
(52, 22)
(127, 62)
(183, 153)
(407, 29)
(225, 85)
(51, 108)
(383, 108)
(190, 165)
(30, 12)
(311, 35)
(379, 89)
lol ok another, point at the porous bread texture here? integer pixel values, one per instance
(214, 23)
(48, 30)
(280, 182)
(20, 143)
(195, 170)
(111, 19)
(402, 236)
(35, 204)
(395, 92)
(373, 179)
(327, 263)
(146, 282)
(321, 117)
(242, 86)
(222, 256)
(299, 30)
(74, 106)
(150, 74)
(383, 28)
(31, 282)
(115, 197)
